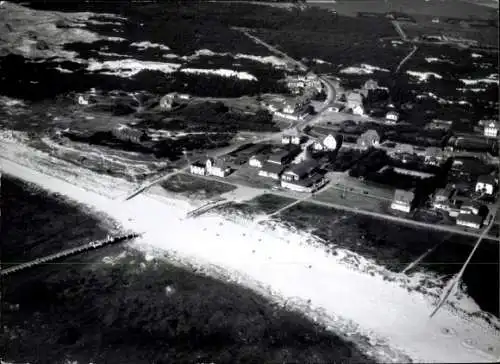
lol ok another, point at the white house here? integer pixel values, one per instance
(491, 129)
(392, 117)
(330, 143)
(82, 100)
(358, 110)
(291, 136)
(197, 168)
(217, 167)
(469, 220)
(256, 161)
(402, 200)
(485, 184)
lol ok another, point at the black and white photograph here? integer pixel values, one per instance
(249, 181)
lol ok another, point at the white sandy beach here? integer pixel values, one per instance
(283, 264)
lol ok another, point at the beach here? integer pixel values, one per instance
(290, 267)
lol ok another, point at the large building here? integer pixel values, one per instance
(300, 171)
(470, 220)
(125, 133)
(403, 200)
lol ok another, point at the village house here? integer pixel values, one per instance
(309, 184)
(83, 100)
(217, 167)
(403, 200)
(256, 161)
(433, 156)
(368, 139)
(355, 103)
(167, 102)
(371, 85)
(470, 207)
(330, 142)
(125, 133)
(485, 184)
(300, 171)
(291, 136)
(283, 157)
(198, 168)
(443, 196)
(271, 170)
(491, 129)
(392, 117)
(470, 220)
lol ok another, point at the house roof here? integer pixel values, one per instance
(404, 196)
(492, 124)
(475, 219)
(272, 168)
(291, 132)
(354, 97)
(304, 167)
(486, 178)
(370, 134)
(198, 164)
(278, 156)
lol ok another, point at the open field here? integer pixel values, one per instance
(195, 188)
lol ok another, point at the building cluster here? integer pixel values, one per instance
(469, 211)
(168, 101)
(304, 88)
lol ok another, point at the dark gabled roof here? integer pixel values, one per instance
(476, 219)
(304, 167)
(278, 156)
(198, 164)
(272, 168)
(486, 178)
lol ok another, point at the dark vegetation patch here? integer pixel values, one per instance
(193, 186)
(209, 117)
(28, 80)
(168, 148)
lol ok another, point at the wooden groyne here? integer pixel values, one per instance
(68, 252)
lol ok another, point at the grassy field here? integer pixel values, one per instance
(196, 188)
